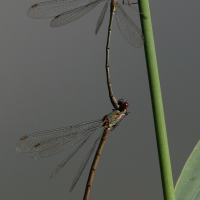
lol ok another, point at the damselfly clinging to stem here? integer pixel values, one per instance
(66, 11)
(48, 143)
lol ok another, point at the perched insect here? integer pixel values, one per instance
(48, 143)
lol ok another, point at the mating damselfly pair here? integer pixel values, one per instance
(48, 143)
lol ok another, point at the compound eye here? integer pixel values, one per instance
(126, 105)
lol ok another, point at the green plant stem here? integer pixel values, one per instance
(157, 105)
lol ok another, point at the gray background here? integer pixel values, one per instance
(55, 77)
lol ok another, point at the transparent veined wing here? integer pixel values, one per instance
(84, 163)
(55, 7)
(65, 161)
(72, 15)
(128, 28)
(101, 17)
(48, 143)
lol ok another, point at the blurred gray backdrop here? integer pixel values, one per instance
(55, 77)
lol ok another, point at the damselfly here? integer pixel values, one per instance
(48, 143)
(66, 11)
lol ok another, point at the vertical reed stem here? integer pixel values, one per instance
(157, 105)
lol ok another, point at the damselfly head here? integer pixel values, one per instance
(124, 106)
